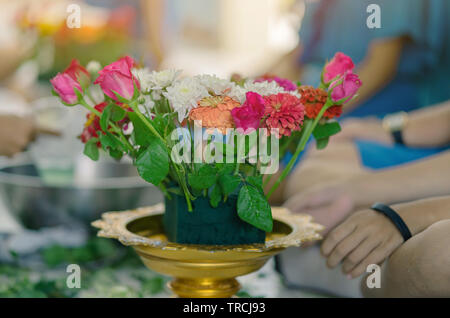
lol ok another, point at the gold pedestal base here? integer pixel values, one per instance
(205, 287)
(202, 271)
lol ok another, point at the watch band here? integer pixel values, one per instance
(395, 219)
(398, 137)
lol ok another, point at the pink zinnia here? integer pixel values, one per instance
(284, 112)
(249, 115)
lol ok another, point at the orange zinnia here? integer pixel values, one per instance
(215, 112)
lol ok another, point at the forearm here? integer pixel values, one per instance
(422, 179)
(428, 127)
(419, 215)
(377, 69)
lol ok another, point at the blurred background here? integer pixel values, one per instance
(50, 192)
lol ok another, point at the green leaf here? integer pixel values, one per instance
(322, 143)
(91, 149)
(205, 177)
(141, 132)
(78, 93)
(225, 168)
(256, 181)
(229, 183)
(120, 98)
(223, 148)
(117, 113)
(153, 163)
(253, 208)
(111, 112)
(116, 154)
(163, 125)
(108, 140)
(104, 119)
(202, 182)
(215, 196)
(326, 130)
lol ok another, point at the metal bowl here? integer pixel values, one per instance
(106, 186)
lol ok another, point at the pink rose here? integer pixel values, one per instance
(338, 66)
(78, 73)
(117, 77)
(64, 86)
(347, 89)
(249, 115)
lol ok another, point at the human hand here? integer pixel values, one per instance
(366, 129)
(328, 204)
(15, 134)
(365, 238)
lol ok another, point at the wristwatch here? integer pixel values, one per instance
(394, 124)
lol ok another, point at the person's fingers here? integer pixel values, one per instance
(359, 254)
(295, 203)
(313, 199)
(345, 247)
(377, 256)
(336, 236)
(301, 202)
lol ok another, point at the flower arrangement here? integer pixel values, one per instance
(206, 142)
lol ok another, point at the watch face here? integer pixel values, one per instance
(395, 122)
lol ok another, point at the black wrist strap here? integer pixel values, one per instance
(398, 137)
(395, 218)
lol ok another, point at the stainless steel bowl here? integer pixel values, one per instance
(106, 186)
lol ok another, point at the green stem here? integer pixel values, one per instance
(179, 175)
(146, 123)
(309, 128)
(282, 150)
(113, 126)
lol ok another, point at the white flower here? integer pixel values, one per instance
(93, 67)
(214, 84)
(238, 93)
(143, 75)
(163, 79)
(183, 95)
(155, 81)
(96, 94)
(262, 88)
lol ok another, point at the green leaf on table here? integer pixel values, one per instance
(229, 183)
(253, 208)
(153, 163)
(326, 130)
(215, 196)
(205, 177)
(91, 149)
(322, 143)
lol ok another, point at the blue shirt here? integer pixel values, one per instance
(422, 77)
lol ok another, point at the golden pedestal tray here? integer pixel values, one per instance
(202, 271)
